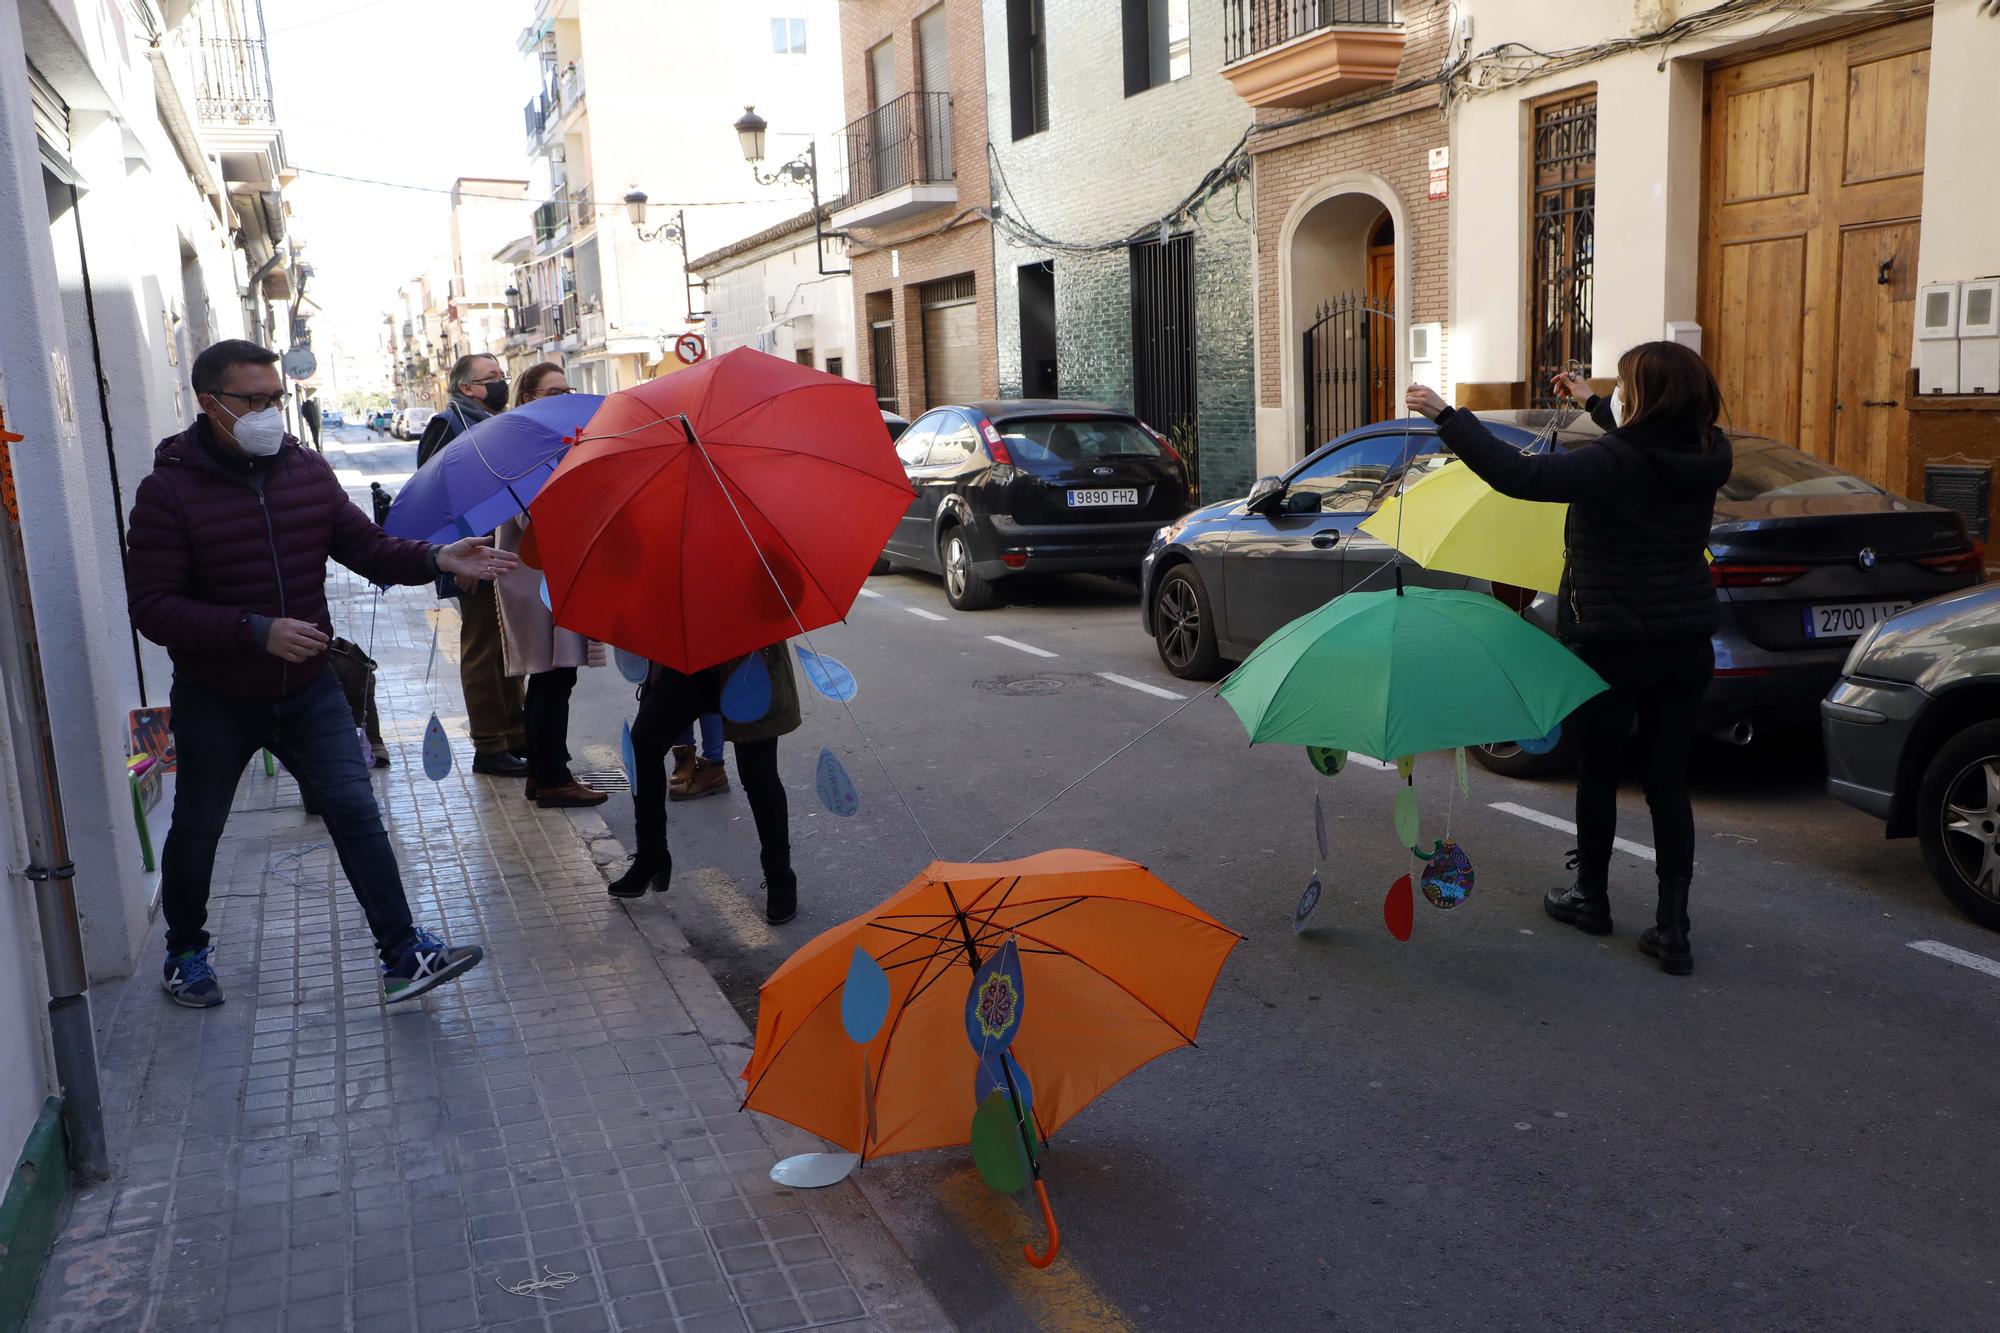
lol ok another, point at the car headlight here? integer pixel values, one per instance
(1860, 649)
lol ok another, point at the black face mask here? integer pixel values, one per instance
(494, 392)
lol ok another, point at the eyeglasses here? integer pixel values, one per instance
(256, 402)
(555, 393)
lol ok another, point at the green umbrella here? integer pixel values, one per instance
(1400, 672)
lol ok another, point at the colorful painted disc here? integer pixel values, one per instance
(1448, 877)
(993, 1005)
(1307, 902)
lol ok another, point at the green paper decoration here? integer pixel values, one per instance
(1406, 816)
(996, 1145)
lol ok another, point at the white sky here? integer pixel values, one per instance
(414, 91)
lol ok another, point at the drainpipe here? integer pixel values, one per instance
(50, 872)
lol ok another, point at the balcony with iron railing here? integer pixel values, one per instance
(582, 213)
(551, 222)
(898, 161)
(524, 320)
(1303, 52)
(233, 83)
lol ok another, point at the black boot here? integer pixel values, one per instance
(1589, 910)
(1667, 940)
(781, 889)
(651, 868)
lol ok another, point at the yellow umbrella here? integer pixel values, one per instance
(1453, 521)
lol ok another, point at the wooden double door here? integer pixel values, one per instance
(1808, 278)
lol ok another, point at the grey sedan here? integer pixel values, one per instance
(1913, 737)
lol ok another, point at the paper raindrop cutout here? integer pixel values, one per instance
(1464, 776)
(1327, 762)
(1399, 909)
(437, 750)
(864, 999)
(815, 1170)
(993, 1005)
(630, 665)
(746, 696)
(1406, 816)
(987, 1080)
(1448, 877)
(630, 758)
(1545, 744)
(997, 1149)
(828, 676)
(1319, 824)
(367, 749)
(544, 593)
(1406, 766)
(1307, 902)
(836, 789)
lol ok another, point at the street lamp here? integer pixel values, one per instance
(675, 231)
(751, 130)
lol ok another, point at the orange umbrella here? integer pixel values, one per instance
(1116, 968)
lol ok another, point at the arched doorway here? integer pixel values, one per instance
(1342, 291)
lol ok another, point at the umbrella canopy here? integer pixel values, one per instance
(1453, 521)
(491, 472)
(693, 500)
(1400, 672)
(1116, 968)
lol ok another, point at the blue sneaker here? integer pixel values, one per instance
(426, 962)
(189, 980)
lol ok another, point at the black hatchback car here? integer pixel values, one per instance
(1027, 486)
(1806, 559)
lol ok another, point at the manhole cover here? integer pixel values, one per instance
(1040, 683)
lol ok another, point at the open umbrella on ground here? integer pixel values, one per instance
(1400, 672)
(1116, 968)
(1451, 520)
(491, 472)
(720, 509)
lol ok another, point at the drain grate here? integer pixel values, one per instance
(604, 779)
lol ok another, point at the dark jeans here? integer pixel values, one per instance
(545, 713)
(669, 703)
(312, 734)
(1661, 685)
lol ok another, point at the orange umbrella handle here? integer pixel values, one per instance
(1055, 1232)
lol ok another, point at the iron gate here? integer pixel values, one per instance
(1349, 366)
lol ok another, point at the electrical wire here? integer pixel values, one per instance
(513, 198)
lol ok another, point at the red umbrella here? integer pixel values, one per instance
(690, 501)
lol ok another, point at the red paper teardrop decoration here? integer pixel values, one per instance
(1399, 909)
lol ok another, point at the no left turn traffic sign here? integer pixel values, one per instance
(690, 348)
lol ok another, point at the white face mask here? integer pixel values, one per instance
(260, 434)
(1618, 405)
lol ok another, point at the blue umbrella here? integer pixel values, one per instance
(490, 473)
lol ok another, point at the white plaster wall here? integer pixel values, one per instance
(781, 302)
(24, 1052)
(1961, 226)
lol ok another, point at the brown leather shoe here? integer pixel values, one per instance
(571, 795)
(707, 780)
(684, 762)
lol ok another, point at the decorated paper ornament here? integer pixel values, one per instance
(1307, 902)
(997, 1149)
(1327, 762)
(993, 1005)
(1399, 909)
(437, 750)
(1406, 766)
(1448, 877)
(828, 676)
(1406, 816)
(836, 789)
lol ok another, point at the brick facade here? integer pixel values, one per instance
(891, 262)
(1108, 167)
(1389, 139)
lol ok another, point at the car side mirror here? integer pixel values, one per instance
(1266, 495)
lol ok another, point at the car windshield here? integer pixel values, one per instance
(1060, 441)
(1767, 471)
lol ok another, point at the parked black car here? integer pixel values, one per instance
(1806, 559)
(1031, 486)
(894, 424)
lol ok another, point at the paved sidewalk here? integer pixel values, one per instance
(302, 1158)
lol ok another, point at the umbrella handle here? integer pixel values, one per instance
(1055, 1232)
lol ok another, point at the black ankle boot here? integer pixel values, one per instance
(1589, 910)
(1667, 939)
(781, 894)
(651, 868)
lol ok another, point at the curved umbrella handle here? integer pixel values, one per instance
(1055, 1232)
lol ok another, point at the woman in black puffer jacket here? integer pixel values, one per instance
(1637, 603)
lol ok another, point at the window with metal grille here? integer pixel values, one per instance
(947, 291)
(882, 362)
(1561, 237)
(1163, 334)
(1028, 66)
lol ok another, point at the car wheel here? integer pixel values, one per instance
(1509, 760)
(1958, 821)
(1184, 625)
(881, 565)
(963, 587)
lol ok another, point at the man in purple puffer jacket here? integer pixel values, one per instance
(226, 569)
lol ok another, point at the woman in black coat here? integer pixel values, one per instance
(1637, 603)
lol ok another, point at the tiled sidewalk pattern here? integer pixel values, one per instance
(302, 1158)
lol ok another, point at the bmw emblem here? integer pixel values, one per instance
(1867, 558)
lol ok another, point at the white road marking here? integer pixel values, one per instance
(919, 611)
(1977, 962)
(870, 592)
(1018, 646)
(1138, 685)
(1550, 821)
(1367, 761)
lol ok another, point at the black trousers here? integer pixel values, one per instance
(1661, 685)
(669, 702)
(545, 717)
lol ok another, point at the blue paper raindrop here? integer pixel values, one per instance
(993, 1005)
(828, 676)
(437, 750)
(987, 1080)
(631, 666)
(836, 789)
(544, 591)
(630, 757)
(747, 695)
(864, 1000)
(1545, 744)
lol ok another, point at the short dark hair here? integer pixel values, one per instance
(531, 380)
(461, 369)
(215, 361)
(1669, 384)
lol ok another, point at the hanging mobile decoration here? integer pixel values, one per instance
(1319, 825)
(437, 750)
(1406, 767)
(1448, 877)
(1464, 776)
(827, 675)
(631, 758)
(864, 1006)
(836, 789)
(1406, 817)
(1545, 744)
(630, 665)
(1326, 762)
(543, 593)
(1399, 909)
(746, 696)
(1307, 902)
